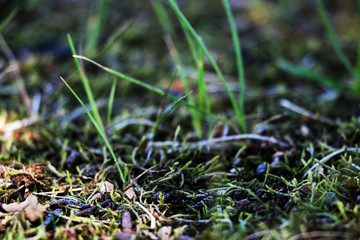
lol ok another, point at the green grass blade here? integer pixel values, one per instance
(239, 60)
(114, 37)
(111, 102)
(301, 72)
(87, 87)
(199, 41)
(163, 17)
(155, 90)
(95, 26)
(168, 111)
(168, 27)
(204, 100)
(357, 87)
(333, 40)
(8, 19)
(99, 130)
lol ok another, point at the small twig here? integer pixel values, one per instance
(152, 218)
(15, 66)
(201, 221)
(51, 217)
(319, 234)
(295, 108)
(128, 186)
(333, 154)
(93, 208)
(82, 219)
(19, 124)
(209, 142)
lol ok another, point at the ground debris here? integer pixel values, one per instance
(33, 210)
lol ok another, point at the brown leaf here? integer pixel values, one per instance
(164, 233)
(130, 194)
(33, 210)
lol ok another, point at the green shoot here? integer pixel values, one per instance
(111, 102)
(302, 72)
(87, 87)
(239, 61)
(8, 19)
(169, 29)
(167, 112)
(96, 24)
(216, 67)
(330, 32)
(100, 132)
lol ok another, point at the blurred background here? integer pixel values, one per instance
(127, 36)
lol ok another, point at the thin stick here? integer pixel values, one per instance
(302, 111)
(209, 142)
(15, 66)
(331, 155)
(137, 178)
(152, 218)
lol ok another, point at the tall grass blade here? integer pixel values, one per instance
(204, 100)
(168, 27)
(358, 53)
(99, 130)
(199, 41)
(239, 60)
(8, 19)
(167, 112)
(333, 40)
(96, 24)
(86, 85)
(111, 102)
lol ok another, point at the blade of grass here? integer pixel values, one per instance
(114, 37)
(239, 61)
(99, 130)
(87, 87)
(199, 41)
(111, 101)
(96, 24)
(167, 112)
(203, 96)
(8, 19)
(163, 17)
(155, 90)
(358, 53)
(168, 27)
(161, 105)
(301, 72)
(333, 40)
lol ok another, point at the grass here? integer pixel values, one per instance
(293, 176)
(354, 87)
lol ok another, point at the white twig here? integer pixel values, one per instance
(152, 218)
(302, 111)
(212, 141)
(331, 155)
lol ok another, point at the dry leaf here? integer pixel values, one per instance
(33, 210)
(164, 233)
(130, 194)
(106, 187)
